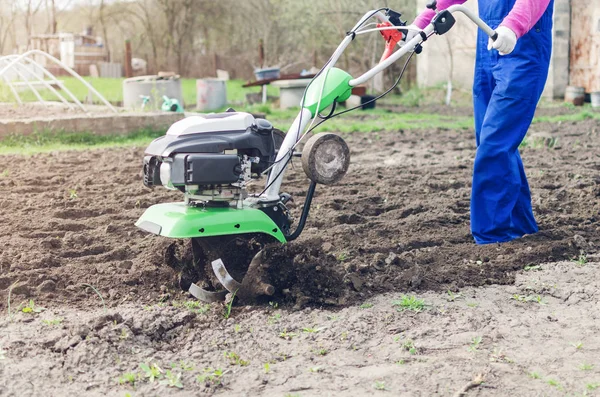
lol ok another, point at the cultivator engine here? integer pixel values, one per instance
(214, 159)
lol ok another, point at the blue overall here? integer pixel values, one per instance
(506, 91)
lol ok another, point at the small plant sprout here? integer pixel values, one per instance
(315, 369)
(411, 303)
(322, 352)
(534, 375)
(529, 268)
(53, 322)
(400, 362)
(72, 194)
(529, 298)
(172, 379)
(5, 173)
(129, 377)
(274, 318)
(581, 260)
(211, 376)
(366, 306)
(152, 372)
(592, 386)
(586, 367)
(267, 367)
(453, 296)
(228, 306)
(234, 359)
(577, 345)
(409, 346)
(342, 256)
(310, 330)
(475, 342)
(554, 383)
(237, 328)
(274, 305)
(196, 307)
(287, 335)
(379, 385)
(184, 366)
(32, 308)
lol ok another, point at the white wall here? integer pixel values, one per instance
(434, 63)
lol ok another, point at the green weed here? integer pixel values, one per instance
(529, 298)
(129, 377)
(379, 385)
(586, 367)
(475, 342)
(172, 379)
(30, 307)
(581, 260)
(409, 346)
(196, 307)
(228, 306)
(366, 306)
(577, 345)
(72, 194)
(97, 293)
(211, 376)
(411, 303)
(234, 359)
(532, 267)
(452, 296)
(151, 372)
(287, 335)
(55, 321)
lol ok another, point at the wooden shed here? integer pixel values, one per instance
(77, 51)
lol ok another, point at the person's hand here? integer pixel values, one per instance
(506, 41)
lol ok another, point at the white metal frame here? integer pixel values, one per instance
(19, 65)
(304, 118)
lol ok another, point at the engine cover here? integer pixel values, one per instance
(211, 151)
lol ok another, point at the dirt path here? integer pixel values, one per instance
(397, 224)
(538, 337)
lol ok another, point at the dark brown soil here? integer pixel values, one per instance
(399, 221)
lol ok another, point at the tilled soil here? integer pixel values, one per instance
(397, 222)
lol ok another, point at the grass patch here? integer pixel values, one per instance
(48, 141)
(411, 303)
(112, 90)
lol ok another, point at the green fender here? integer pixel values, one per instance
(178, 220)
(335, 88)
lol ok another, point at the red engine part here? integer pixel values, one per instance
(392, 38)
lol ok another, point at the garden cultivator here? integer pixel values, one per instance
(213, 159)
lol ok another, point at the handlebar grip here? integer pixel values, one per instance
(494, 36)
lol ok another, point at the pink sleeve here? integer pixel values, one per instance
(426, 16)
(524, 15)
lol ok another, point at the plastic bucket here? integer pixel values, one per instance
(265, 74)
(595, 99)
(211, 94)
(575, 95)
(154, 88)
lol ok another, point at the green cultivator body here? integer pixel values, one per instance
(212, 159)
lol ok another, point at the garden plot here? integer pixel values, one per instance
(388, 291)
